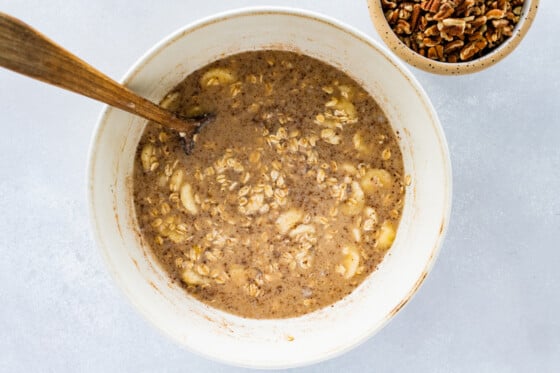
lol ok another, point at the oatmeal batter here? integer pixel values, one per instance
(291, 197)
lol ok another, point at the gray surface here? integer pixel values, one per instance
(491, 304)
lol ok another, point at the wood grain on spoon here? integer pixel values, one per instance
(28, 52)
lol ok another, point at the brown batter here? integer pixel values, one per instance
(291, 197)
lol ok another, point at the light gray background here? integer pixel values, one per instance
(491, 304)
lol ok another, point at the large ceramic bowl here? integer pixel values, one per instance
(329, 331)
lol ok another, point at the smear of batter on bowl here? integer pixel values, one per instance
(292, 195)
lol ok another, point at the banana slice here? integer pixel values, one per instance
(328, 135)
(195, 111)
(176, 180)
(190, 277)
(376, 179)
(288, 220)
(346, 91)
(387, 235)
(361, 144)
(348, 168)
(302, 229)
(348, 109)
(217, 76)
(355, 204)
(350, 260)
(356, 234)
(237, 274)
(170, 101)
(177, 237)
(187, 199)
(148, 156)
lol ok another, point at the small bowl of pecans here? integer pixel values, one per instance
(452, 37)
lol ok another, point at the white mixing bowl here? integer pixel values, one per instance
(329, 331)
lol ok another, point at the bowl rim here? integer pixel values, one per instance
(152, 52)
(391, 40)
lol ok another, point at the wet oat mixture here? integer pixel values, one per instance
(291, 197)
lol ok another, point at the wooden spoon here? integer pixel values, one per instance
(28, 52)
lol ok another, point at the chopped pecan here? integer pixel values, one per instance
(432, 31)
(468, 51)
(432, 53)
(492, 36)
(495, 14)
(445, 11)
(388, 4)
(402, 27)
(452, 27)
(503, 5)
(453, 46)
(431, 42)
(408, 7)
(414, 16)
(480, 44)
(462, 8)
(500, 23)
(478, 34)
(453, 30)
(439, 51)
(474, 11)
(431, 6)
(507, 31)
(404, 13)
(436, 53)
(477, 22)
(422, 24)
(392, 16)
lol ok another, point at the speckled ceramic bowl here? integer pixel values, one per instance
(408, 55)
(327, 332)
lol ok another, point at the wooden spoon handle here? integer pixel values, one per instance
(28, 52)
